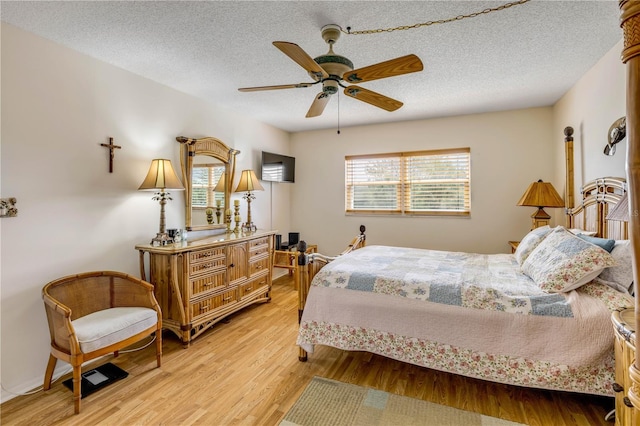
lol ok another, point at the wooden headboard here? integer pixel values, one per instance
(598, 198)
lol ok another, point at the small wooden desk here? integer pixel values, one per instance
(289, 259)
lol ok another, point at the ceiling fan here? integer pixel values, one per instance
(331, 70)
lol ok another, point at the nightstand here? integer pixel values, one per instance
(513, 245)
(624, 327)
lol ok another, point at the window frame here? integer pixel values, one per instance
(403, 183)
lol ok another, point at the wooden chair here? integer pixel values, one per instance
(95, 313)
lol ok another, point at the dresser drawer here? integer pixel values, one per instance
(205, 283)
(213, 303)
(259, 242)
(204, 261)
(257, 251)
(258, 266)
(207, 254)
(255, 286)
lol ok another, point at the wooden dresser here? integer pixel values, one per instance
(624, 326)
(198, 283)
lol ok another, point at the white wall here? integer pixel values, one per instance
(509, 150)
(74, 216)
(591, 107)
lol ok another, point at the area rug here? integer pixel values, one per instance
(328, 402)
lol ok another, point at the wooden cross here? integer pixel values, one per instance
(111, 147)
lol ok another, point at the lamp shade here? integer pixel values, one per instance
(220, 186)
(621, 211)
(541, 194)
(248, 182)
(161, 176)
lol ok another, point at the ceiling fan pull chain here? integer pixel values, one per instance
(440, 21)
(338, 93)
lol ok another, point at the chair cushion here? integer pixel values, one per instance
(109, 326)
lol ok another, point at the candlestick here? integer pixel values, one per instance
(218, 203)
(236, 202)
(227, 219)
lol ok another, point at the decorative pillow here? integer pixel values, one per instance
(529, 242)
(600, 242)
(563, 262)
(620, 276)
(578, 231)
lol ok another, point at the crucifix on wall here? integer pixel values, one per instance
(111, 147)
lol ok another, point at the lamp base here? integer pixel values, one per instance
(248, 228)
(539, 218)
(161, 239)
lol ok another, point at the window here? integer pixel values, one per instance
(204, 179)
(422, 182)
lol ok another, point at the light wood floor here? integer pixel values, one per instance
(246, 372)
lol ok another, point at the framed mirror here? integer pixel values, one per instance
(208, 168)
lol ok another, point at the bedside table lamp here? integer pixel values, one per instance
(540, 194)
(159, 178)
(248, 183)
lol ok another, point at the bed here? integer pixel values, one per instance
(540, 317)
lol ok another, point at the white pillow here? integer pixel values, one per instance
(530, 242)
(564, 262)
(620, 276)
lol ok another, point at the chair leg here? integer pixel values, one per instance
(159, 347)
(48, 375)
(77, 372)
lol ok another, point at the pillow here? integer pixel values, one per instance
(578, 231)
(600, 242)
(620, 276)
(529, 242)
(563, 262)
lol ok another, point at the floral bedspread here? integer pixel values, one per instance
(469, 314)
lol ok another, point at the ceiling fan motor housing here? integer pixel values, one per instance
(334, 65)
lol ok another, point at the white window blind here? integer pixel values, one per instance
(423, 182)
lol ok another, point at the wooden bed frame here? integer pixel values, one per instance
(597, 196)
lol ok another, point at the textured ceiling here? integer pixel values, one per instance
(524, 56)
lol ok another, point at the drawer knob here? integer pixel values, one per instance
(231, 265)
(627, 402)
(248, 289)
(617, 388)
(226, 299)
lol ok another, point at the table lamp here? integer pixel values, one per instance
(161, 177)
(540, 194)
(249, 183)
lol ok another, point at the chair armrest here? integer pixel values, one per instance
(137, 293)
(60, 327)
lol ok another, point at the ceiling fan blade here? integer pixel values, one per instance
(398, 66)
(301, 57)
(318, 105)
(282, 86)
(373, 98)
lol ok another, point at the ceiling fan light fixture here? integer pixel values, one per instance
(330, 87)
